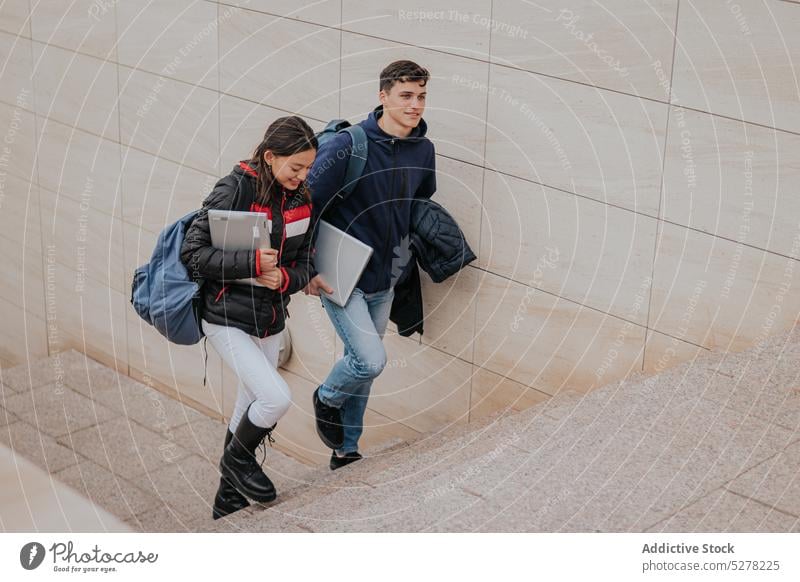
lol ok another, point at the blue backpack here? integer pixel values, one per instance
(163, 292)
(357, 155)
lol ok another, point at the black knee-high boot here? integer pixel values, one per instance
(228, 500)
(239, 466)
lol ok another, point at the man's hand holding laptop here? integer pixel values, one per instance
(314, 286)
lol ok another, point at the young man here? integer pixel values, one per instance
(400, 167)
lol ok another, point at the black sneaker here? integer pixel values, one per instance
(338, 462)
(329, 423)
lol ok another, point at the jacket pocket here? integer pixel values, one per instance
(273, 324)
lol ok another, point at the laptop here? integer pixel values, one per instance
(340, 258)
(237, 230)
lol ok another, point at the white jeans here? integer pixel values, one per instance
(255, 361)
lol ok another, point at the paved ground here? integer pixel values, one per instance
(135, 452)
(710, 445)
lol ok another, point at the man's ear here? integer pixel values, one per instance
(382, 96)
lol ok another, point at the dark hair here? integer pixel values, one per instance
(402, 72)
(285, 136)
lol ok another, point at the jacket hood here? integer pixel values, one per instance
(375, 133)
(246, 167)
(250, 169)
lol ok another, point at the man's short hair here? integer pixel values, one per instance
(403, 72)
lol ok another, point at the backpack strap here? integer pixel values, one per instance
(357, 160)
(244, 187)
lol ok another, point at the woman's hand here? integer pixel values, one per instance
(273, 279)
(268, 258)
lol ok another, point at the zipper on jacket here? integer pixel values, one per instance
(283, 234)
(283, 240)
(388, 250)
(278, 258)
(221, 291)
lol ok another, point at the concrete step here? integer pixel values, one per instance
(322, 480)
(435, 451)
(670, 418)
(426, 496)
(325, 483)
(402, 467)
(407, 497)
(290, 495)
(604, 478)
(467, 477)
(490, 435)
(281, 513)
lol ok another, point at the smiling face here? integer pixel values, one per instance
(404, 103)
(291, 171)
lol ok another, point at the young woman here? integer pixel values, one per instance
(243, 321)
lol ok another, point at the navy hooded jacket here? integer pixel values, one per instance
(378, 210)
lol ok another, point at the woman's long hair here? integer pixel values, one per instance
(284, 137)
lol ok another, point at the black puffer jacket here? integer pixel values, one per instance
(258, 311)
(438, 245)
